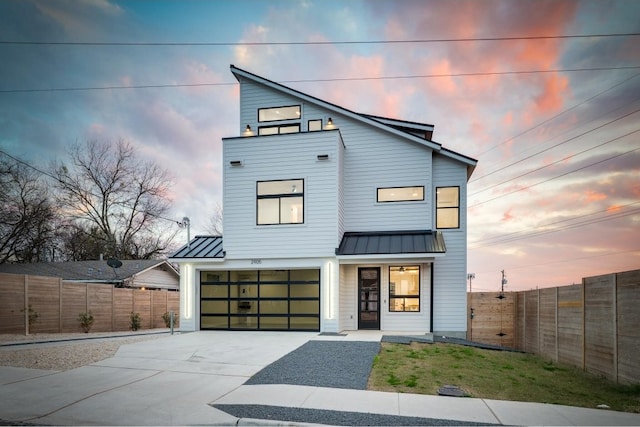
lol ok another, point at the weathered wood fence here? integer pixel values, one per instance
(594, 325)
(58, 303)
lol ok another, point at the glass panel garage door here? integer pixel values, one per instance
(260, 300)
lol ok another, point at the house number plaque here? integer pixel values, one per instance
(256, 261)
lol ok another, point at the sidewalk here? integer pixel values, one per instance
(199, 379)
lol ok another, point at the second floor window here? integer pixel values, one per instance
(280, 202)
(279, 113)
(400, 194)
(448, 207)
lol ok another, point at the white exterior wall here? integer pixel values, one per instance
(389, 321)
(278, 157)
(450, 271)
(374, 159)
(156, 278)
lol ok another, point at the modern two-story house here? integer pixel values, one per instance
(333, 221)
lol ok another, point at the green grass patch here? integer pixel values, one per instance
(490, 374)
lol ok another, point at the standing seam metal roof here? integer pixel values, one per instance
(202, 247)
(391, 242)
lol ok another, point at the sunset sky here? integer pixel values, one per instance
(553, 122)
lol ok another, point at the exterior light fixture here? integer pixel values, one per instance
(329, 122)
(248, 131)
(235, 163)
(323, 157)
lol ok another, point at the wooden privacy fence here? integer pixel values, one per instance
(58, 303)
(594, 325)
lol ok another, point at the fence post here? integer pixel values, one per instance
(614, 306)
(60, 305)
(557, 340)
(584, 323)
(26, 304)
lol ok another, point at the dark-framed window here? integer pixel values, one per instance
(447, 207)
(280, 202)
(400, 194)
(314, 125)
(404, 288)
(274, 114)
(278, 130)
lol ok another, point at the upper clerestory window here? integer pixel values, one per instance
(400, 194)
(274, 114)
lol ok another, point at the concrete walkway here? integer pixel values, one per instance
(175, 380)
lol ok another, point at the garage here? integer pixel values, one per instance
(260, 300)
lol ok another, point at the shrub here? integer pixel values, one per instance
(33, 315)
(136, 321)
(167, 319)
(86, 321)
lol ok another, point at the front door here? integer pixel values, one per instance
(369, 298)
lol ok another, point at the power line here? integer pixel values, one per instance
(555, 116)
(555, 177)
(554, 163)
(319, 43)
(345, 79)
(556, 145)
(57, 179)
(616, 215)
(504, 237)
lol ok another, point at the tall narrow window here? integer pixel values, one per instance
(404, 288)
(280, 202)
(448, 207)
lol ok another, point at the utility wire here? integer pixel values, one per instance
(346, 79)
(568, 227)
(55, 178)
(555, 177)
(554, 117)
(556, 145)
(554, 163)
(505, 236)
(319, 43)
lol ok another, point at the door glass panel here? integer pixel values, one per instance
(311, 323)
(243, 307)
(215, 322)
(244, 276)
(214, 291)
(214, 307)
(305, 291)
(243, 322)
(274, 276)
(369, 284)
(244, 290)
(274, 307)
(305, 275)
(274, 322)
(305, 307)
(274, 291)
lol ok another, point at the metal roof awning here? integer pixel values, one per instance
(392, 243)
(201, 247)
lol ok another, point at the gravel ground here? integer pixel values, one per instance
(61, 352)
(323, 364)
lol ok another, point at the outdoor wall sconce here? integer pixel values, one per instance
(235, 163)
(248, 131)
(323, 157)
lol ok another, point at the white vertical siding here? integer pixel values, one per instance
(278, 157)
(450, 271)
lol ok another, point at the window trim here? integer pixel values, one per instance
(279, 197)
(280, 120)
(401, 200)
(397, 296)
(457, 208)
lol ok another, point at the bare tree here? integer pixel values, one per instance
(26, 215)
(215, 222)
(115, 200)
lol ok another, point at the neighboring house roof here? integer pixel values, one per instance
(89, 271)
(392, 243)
(202, 247)
(396, 127)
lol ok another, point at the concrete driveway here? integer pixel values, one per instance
(166, 381)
